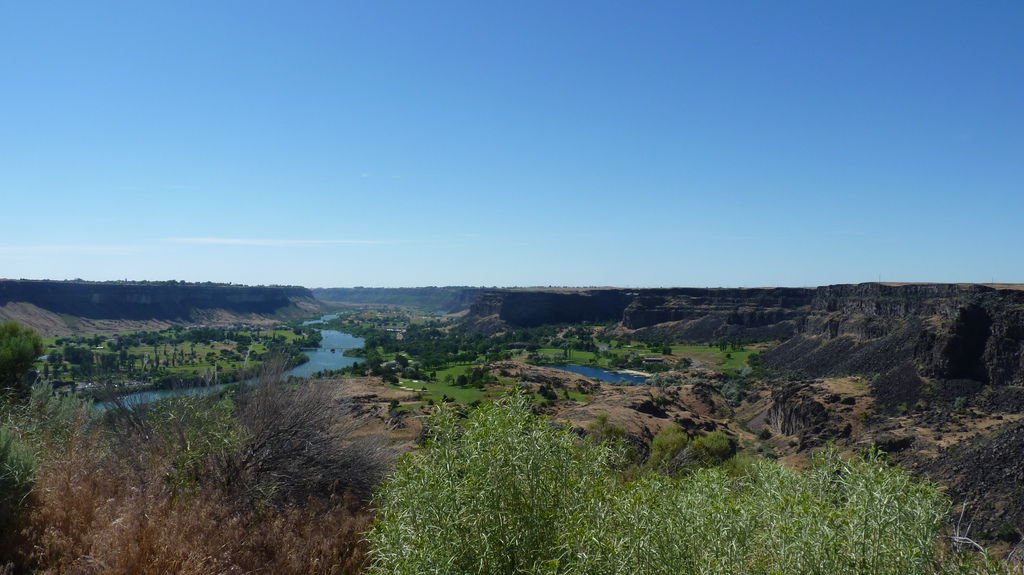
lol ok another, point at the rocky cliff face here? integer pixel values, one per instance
(447, 299)
(802, 410)
(718, 314)
(147, 301)
(945, 331)
(694, 313)
(530, 308)
(985, 473)
(740, 307)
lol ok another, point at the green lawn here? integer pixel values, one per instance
(575, 355)
(729, 360)
(577, 396)
(437, 391)
(452, 372)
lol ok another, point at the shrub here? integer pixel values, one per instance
(96, 514)
(17, 475)
(270, 480)
(665, 446)
(506, 492)
(601, 430)
(30, 432)
(495, 493)
(299, 441)
(194, 432)
(51, 420)
(712, 448)
(735, 389)
(19, 347)
(704, 451)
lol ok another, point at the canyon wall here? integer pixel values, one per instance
(147, 301)
(446, 299)
(945, 331)
(531, 308)
(690, 314)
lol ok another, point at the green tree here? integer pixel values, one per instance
(19, 347)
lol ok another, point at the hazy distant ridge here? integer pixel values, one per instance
(444, 299)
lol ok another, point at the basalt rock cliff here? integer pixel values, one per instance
(695, 314)
(448, 299)
(531, 308)
(51, 303)
(939, 331)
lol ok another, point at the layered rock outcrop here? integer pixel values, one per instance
(697, 314)
(148, 300)
(530, 308)
(448, 299)
(946, 331)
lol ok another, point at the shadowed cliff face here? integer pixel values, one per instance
(698, 314)
(146, 301)
(949, 332)
(739, 307)
(522, 308)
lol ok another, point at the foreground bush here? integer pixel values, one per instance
(496, 493)
(505, 492)
(17, 476)
(267, 479)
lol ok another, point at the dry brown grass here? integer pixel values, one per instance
(95, 513)
(109, 499)
(90, 516)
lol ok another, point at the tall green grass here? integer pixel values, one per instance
(504, 492)
(17, 475)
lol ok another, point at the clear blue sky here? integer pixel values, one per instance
(544, 142)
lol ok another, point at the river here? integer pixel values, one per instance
(329, 356)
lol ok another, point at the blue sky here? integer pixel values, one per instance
(513, 143)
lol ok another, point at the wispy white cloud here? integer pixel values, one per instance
(70, 249)
(219, 241)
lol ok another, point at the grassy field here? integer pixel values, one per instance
(729, 360)
(452, 372)
(711, 357)
(555, 354)
(437, 390)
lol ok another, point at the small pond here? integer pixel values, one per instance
(602, 374)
